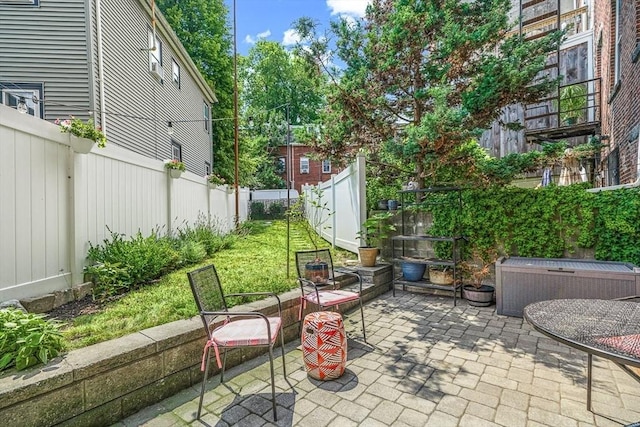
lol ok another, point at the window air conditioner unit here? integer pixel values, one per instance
(304, 169)
(156, 70)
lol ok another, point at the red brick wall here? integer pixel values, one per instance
(315, 174)
(620, 110)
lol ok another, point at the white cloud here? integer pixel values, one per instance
(290, 37)
(348, 7)
(249, 39)
(264, 34)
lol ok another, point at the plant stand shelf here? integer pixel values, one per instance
(401, 243)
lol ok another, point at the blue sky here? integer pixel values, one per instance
(272, 19)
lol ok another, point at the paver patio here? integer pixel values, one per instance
(427, 364)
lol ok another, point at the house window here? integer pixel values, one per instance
(207, 168)
(155, 54)
(205, 114)
(12, 93)
(21, 2)
(618, 42)
(176, 151)
(304, 165)
(175, 73)
(326, 166)
(282, 164)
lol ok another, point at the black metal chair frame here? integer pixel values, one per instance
(308, 286)
(208, 319)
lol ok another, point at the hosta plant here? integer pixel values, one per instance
(27, 339)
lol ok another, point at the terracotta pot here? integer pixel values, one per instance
(368, 256)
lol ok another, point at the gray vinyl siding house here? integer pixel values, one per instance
(59, 49)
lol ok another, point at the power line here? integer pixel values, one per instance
(91, 112)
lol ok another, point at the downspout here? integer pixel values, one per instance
(103, 113)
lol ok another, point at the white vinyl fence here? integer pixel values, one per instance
(53, 202)
(346, 207)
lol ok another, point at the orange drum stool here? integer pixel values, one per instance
(324, 345)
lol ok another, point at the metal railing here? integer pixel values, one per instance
(570, 105)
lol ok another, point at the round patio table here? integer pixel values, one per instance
(605, 328)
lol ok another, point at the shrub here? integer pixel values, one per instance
(276, 210)
(205, 231)
(27, 339)
(109, 279)
(132, 262)
(192, 252)
(257, 210)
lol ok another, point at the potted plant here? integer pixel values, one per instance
(573, 100)
(175, 167)
(441, 275)
(82, 135)
(215, 180)
(475, 292)
(372, 232)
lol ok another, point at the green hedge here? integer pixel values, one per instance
(547, 222)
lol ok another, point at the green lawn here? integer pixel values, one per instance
(257, 262)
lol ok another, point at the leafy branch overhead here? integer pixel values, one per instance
(423, 78)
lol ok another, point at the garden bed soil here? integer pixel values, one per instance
(73, 309)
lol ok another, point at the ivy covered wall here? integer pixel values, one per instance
(549, 222)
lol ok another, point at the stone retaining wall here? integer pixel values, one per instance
(106, 382)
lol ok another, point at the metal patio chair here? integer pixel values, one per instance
(316, 275)
(238, 329)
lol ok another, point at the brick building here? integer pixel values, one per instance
(305, 170)
(617, 62)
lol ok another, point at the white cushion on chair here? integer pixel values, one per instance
(246, 332)
(332, 297)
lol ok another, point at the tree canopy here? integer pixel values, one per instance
(421, 79)
(202, 27)
(276, 82)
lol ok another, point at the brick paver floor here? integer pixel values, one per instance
(427, 363)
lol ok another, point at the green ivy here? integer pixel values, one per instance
(549, 222)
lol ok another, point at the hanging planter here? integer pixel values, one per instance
(175, 168)
(82, 135)
(80, 145)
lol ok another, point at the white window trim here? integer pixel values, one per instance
(21, 2)
(326, 169)
(155, 56)
(304, 165)
(175, 66)
(28, 92)
(176, 150)
(206, 115)
(618, 42)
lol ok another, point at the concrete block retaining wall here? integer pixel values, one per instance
(106, 382)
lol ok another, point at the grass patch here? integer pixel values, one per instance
(257, 261)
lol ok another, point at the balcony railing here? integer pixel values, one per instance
(574, 109)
